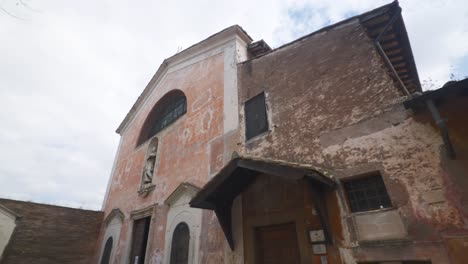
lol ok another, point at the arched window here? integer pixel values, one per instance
(167, 110)
(180, 244)
(107, 251)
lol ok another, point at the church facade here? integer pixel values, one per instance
(324, 150)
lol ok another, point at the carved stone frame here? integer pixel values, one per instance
(351, 217)
(135, 215)
(181, 212)
(112, 228)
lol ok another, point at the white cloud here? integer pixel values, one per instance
(71, 70)
(438, 33)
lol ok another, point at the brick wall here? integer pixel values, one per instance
(51, 234)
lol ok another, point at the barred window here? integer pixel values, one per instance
(169, 115)
(367, 193)
(167, 110)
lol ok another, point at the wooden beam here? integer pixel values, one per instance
(402, 71)
(224, 215)
(394, 52)
(396, 57)
(378, 21)
(390, 46)
(318, 196)
(377, 31)
(399, 65)
(388, 37)
(284, 171)
(396, 61)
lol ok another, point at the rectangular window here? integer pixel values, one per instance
(256, 121)
(367, 193)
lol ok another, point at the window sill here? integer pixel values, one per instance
(376, 211)
(257, 137)
(146, 189)
(376, 243)
(379, 226)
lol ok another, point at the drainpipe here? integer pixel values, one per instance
(443, 128)
(384, 56)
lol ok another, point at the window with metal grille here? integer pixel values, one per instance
(167, 110)
(367, 193)
(256, 121)
(169, 115)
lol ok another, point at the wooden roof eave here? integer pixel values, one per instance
(218, 194)
(388, 30)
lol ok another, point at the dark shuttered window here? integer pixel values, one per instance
(256, 121)
(367, 193)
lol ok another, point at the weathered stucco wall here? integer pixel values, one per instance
(184, 152)
(332, 103)
(322, 82)
(51, 234)
(192, 149)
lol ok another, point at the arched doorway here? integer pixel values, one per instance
(180, 244)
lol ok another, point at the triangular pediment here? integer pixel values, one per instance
(114, 214)
(182, 194)
(178, 60)
(5, 211)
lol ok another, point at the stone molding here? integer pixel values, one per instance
(9, 213)
(184, 187)
(114, 213)
(141, 213)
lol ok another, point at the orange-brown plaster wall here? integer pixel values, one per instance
(185, 152)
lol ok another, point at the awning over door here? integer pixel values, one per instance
(218, 194)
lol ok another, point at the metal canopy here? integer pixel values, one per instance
(218, 194)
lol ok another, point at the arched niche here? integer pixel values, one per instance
(150, 165)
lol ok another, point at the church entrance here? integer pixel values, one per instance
(140, 240)
(281, 208)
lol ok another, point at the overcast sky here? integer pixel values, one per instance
(71, 70)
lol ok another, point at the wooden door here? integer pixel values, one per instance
(139, 240)
(277, 244)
